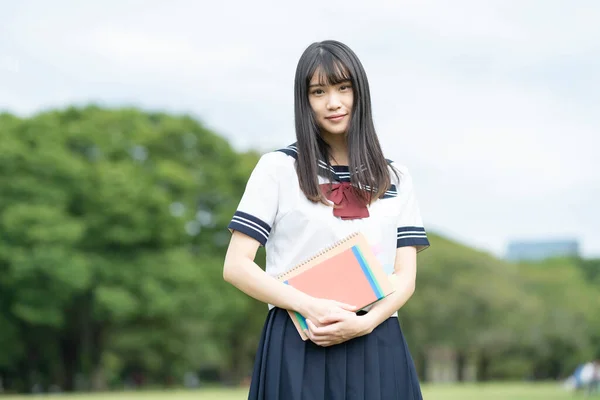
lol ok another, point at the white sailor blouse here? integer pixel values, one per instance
(275, 212)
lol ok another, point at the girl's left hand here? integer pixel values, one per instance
(347, 328)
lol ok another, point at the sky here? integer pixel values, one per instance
(492, 105)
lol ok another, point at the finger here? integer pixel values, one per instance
(312, 328)
(327, 343)
(347, 307)
(309, 333)
(316, 332)
(323, 342)
(331, 318)
(325, 332)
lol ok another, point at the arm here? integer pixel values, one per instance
(242, 272)
(250, 227)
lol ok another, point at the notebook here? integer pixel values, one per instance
(346, 271)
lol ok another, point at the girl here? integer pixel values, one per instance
(332, 182)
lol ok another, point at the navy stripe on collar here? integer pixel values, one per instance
(340, 173)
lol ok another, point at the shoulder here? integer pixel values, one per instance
(273, 166)
(281, 160)
(276, 159)
(289, 152)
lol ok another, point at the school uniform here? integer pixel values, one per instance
(274, 211)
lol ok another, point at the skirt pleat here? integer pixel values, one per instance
(377, 366)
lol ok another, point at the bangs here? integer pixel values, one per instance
(330, 70)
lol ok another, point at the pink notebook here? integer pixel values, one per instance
(347, 271)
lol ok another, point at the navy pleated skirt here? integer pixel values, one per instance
(377, 366)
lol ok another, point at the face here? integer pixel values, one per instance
(331, 104)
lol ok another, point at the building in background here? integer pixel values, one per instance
(522, 250)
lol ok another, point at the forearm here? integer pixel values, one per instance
(404, 284)
(248, 277)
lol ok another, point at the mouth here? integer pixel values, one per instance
(336, 117)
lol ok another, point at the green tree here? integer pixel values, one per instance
(112, 225)
(112, 240)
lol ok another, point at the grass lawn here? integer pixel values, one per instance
(500, 391)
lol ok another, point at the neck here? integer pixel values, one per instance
(338, 148)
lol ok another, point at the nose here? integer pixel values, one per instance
(333, 102)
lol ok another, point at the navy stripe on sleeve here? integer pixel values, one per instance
(251, 226)
(412, 236)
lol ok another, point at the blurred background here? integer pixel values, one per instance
(129, 128)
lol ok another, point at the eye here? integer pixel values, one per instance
(343, 88)
(317, 92)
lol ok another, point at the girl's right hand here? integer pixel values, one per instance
(323, 312)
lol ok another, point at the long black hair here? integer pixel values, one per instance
(368, 167)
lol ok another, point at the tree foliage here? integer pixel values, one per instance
(113, 234)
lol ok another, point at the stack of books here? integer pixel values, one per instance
(347, 271)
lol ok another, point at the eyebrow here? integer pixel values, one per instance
(318, 84)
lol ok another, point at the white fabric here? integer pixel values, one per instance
(274, 211)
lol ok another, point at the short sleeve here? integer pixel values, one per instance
(410, 229)
(258, 207)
